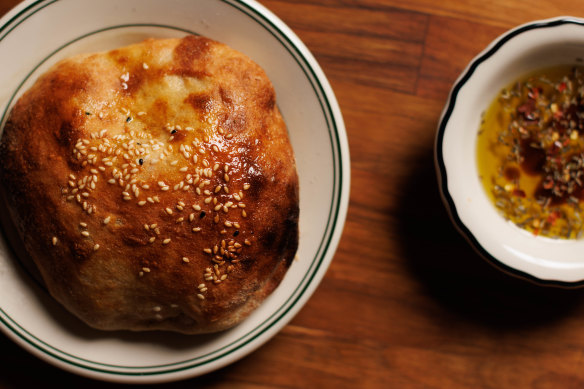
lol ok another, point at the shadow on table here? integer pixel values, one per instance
(457, 276)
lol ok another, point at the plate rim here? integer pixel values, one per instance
(322, 257)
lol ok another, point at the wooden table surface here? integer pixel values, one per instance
(406, 303)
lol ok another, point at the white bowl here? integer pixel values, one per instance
(36, 34)
(519, 51)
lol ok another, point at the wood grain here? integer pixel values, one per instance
(406, 302)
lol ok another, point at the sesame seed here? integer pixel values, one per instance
(96, 247)
(55, 240)
(196, 229)
(152, 239)
(185, 260)
(223, 277)
(208, 251)
(107, 220)
(146, 269)
(246, 186)
(85, 233)
(84, 225)
(200, 296)
(166, 241)
(169, 211)
(226, 177)
(142, 203)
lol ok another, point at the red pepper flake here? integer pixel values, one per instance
(551, 219)
(562, 86)
(533, 93)
(548, 184)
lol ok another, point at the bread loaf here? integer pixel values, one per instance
(154, 185)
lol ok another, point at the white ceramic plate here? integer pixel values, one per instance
(35, 35)
(524, 49)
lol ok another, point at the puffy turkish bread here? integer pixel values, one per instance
(154, 186)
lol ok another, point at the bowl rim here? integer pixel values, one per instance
(440, 166)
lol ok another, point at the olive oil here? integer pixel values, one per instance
(530, 152)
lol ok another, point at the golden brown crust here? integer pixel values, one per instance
(154, 185)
